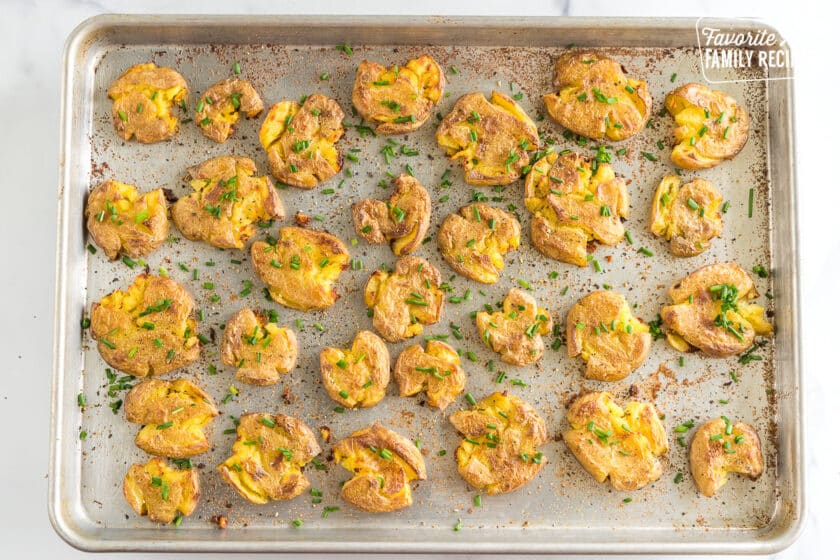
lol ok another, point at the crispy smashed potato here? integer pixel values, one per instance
(711, 311)
(384, 464)
(491, 138)
(398, 99)
(161, 492)
(173, 415)
(406, 299)
(144, 97)
(300, 140)
(146, 330)
(435, 370)
(403, 220)
(595, 98)
(688, 216)
(121, 220)
(710, 126)
(223, 103)
(574, 200)
(499, 451)
(622, 444)
(261, 350)
(359, 375)
(301, 267)
(601, 329)
(268, 457)
(475, 240)
(516, 331)
(720, 447)
(227, 202)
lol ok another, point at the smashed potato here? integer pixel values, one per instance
(161, 492)
(146, 330)
(121, 220)
(358, 376)
(601, 329)
(516, 331)
(475, 240)
(301, 267)
(384, 464)
(622, 444)
(491, 138)
(403, 220)
(720, 447)
(404, 300)
(261, 350)
(574, 200)
(710, 126)
(595, 98)
(268, 457)
(435, 370)
(499, 451)
(144, 96)
(300, 140)
(223, 103)
(688, 216)
(711, 311)
(398, 99)
(227, 202)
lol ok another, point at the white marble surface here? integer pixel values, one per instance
(32, 34)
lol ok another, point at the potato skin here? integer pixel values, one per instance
(145, 497)
(518, 330)
(688, 216)
(365, 374)
(222, 105)
(403, 221)
(436, 370)
(144, 96)
(710, 460)
(262, 351)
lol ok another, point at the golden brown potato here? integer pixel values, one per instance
(301, 267)
(595, 98)
(601, 329)
(218, 111)
(710, 126)
(475, 240)
(491, 138)
(516, 331)
(574, 200)
(121, 220)
(398, 99)
(623, 444)
(406, 299)
(300, 140)
(146, 330)
(161, 492)
(144, 96)
(499, 451)
(359, 375)
(173, 414)
(436, 370)
(268, 457)
(227, 202)
(261, 350)
(688, 216)
(384, 464)
(403, 220)
(720, 447)
(711, 311)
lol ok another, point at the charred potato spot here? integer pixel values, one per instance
(710, 126)
(268, 457)
(711, 311)
(161, 492)
(223, 103)
(403, 220)
(622, 444)
(398, 99)
(596, 99)
(688, 216)
(300, 140)
(491, 138)
(144, 96)
(601, 329)
(475, 240)
(227, 203)
(720, 447)
(383, 464)
(359, 375)
(404, 300)
(121, 220)
(499, 451)
(435, 370)
(146, 330)
(516, 331)
(301, 267)
(261, 350)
